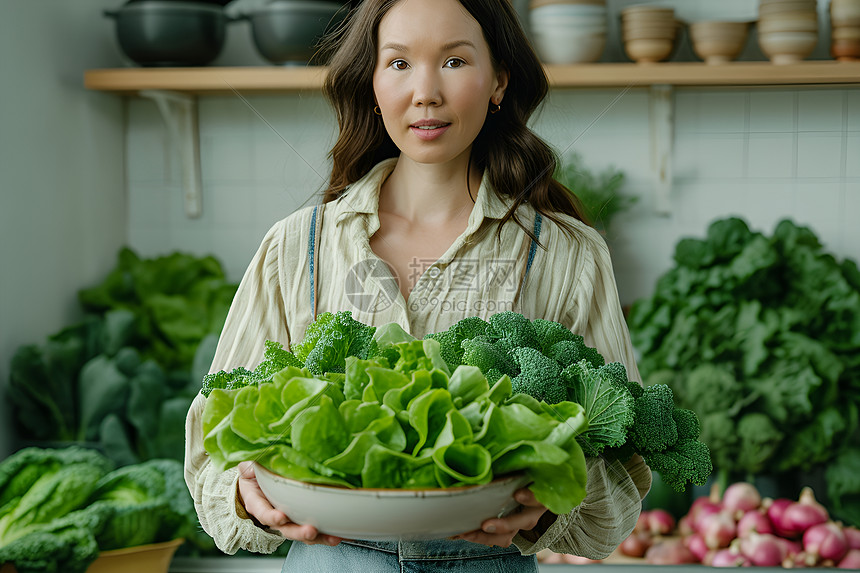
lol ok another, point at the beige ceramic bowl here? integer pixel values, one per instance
(554, 48)
(646, 8)
(648, 50)
(718, 42)
(390, 514)
(846, 33)
(539, 3)
(650, 33)
(845, 50)
(768, 25)
(768, 10)
(845, 12)
(787, 47)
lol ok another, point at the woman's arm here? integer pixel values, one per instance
(257, 314)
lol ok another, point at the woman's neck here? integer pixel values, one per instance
(433, 194)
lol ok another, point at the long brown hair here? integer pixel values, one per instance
(518, 163)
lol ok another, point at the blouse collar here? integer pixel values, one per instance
(363, 197)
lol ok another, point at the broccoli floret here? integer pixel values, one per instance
(451, 340)
(687, 423)
(635, 388)
(654, 429)
(569, 352)
(608, 404)
(514, 327)
(236, 378)
(487, 355)
(338, 338)
(688, 461)
(539, 377)
(550, 333)
(452, 352)
(275, 359)
(493, 375)
(468, 328)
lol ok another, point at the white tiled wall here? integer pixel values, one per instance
(760, 154)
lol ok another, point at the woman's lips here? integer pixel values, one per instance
(428, 134)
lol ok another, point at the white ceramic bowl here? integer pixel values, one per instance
(569, 10)
(390, 514)
(570, 29)
(590, 20)
(565, 49)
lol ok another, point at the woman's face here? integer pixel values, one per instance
(434, 79)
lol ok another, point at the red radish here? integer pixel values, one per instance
(636, 544)
(728, 558)
(801, 515)
(696, 544)
(704, 505)
(705, 514)
(824, 541)
(669, 552)
(851, 560)
(685, 525)
(660, 522)
(740, 498)
(791, 547)
(852, 536)
(718, 530)
(775, 509)
(762, 549)
(754, 520)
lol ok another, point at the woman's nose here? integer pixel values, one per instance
(426, 89)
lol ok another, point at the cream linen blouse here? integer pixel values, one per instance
(570, 282)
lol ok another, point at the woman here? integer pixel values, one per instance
(441, 205)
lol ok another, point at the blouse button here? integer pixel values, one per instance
(434, 272)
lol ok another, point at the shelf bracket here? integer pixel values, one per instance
(662, 121)
(179, 111)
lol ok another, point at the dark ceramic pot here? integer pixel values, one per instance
(287, 32)
(170, 33)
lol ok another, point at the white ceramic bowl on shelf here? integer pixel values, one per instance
(569, 10)
(390, 514)
(562, 48)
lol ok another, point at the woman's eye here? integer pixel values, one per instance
(455, 63)
(399, 65)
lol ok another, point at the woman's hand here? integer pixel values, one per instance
(259, 508)
(500, 531)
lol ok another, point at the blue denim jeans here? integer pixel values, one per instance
(436, 556)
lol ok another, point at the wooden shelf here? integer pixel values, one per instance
(220, 80)
(207, 80)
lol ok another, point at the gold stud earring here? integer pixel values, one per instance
(498, 108)
(377, 111)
